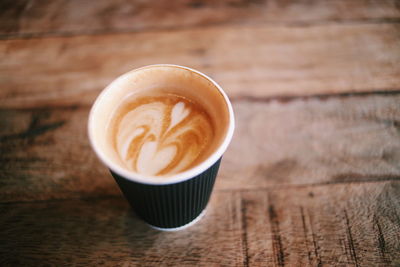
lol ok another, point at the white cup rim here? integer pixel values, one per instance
(175, 178)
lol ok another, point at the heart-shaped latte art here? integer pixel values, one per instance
(179, 112)
(159, 136)
(153, 160)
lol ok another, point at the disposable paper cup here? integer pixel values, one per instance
(171, 202)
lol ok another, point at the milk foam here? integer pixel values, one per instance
(160, 136)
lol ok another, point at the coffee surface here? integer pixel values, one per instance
(160, 134)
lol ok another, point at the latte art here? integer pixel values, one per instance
(160, 135)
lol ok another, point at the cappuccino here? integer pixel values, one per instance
(160, 134)
(160, 123)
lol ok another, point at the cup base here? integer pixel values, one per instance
(195, 220)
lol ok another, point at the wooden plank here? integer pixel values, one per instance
(347, 224)
(248, 61)
(23, 18)
(105, 232)
(335, 225)
(313, 140)
(46, 154)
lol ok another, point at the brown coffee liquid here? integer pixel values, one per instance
(161, 134)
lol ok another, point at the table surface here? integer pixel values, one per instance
(311, 178)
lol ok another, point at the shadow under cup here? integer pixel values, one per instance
(171, 201)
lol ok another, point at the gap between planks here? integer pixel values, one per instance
(294, 24)
(240, 191)
(241, 98)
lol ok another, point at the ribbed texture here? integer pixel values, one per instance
(173, 205)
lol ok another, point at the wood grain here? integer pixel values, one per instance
(23, 18)
(106, 232)
(46, 154)
(248, 61)
(335, 225)
(313, 140)
(311, 226)
(311, 178)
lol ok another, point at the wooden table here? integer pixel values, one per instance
(312, 177)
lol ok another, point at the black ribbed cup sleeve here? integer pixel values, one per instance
(172, 205)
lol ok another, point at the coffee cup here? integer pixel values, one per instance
(162, 131)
